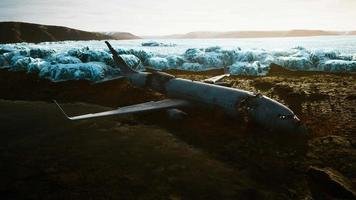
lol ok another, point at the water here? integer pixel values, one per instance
(251, 56)
(343, 44)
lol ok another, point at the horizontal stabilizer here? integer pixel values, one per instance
(215, 79)
(109, 79)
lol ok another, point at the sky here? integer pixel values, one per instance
(161, 17)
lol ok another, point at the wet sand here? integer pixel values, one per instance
(149, 156)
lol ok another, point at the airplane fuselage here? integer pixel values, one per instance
(194, 91)
(210, 95)
(234, 102)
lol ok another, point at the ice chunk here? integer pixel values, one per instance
(89, 71)
(175, 61)
(40, 53)
(193, 54)
(6, 49)
(132, 61)
(211, 60)
(213, 49)
(21, 63)
(88, 55)
(156, 44)
(36, 65)
(295, 63)
(144, 56)
(339, 66)
(64, 59)
(158, 63)
(246, 68)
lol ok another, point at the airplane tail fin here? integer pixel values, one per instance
(120, 63)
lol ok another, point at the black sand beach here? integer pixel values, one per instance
(147, 156)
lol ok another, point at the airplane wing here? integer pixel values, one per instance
(109, 79)
(143, 107)
(215, 79)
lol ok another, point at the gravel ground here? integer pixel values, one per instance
(206, 156)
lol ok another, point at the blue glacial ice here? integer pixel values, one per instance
(73, 60)
(156, 44)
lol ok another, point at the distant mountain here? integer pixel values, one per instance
(121, 35)
(254, 34)
(13, 32)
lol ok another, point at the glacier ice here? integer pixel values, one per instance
(74, 60)
(132, 61)
(89, 71)
(156, 44)
(141, 54)
(64, 59)
(158, 63)
(339, 66)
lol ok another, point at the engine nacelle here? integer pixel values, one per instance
(176, 114)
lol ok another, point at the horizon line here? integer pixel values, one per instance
(183, 33)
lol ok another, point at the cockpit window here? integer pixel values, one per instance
(285, 117)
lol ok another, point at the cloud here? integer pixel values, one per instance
(179, 16)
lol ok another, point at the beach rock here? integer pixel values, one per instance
(333, 141)
(351, 97)
(327, 183)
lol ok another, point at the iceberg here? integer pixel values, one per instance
(156, 44)
(158, 63)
